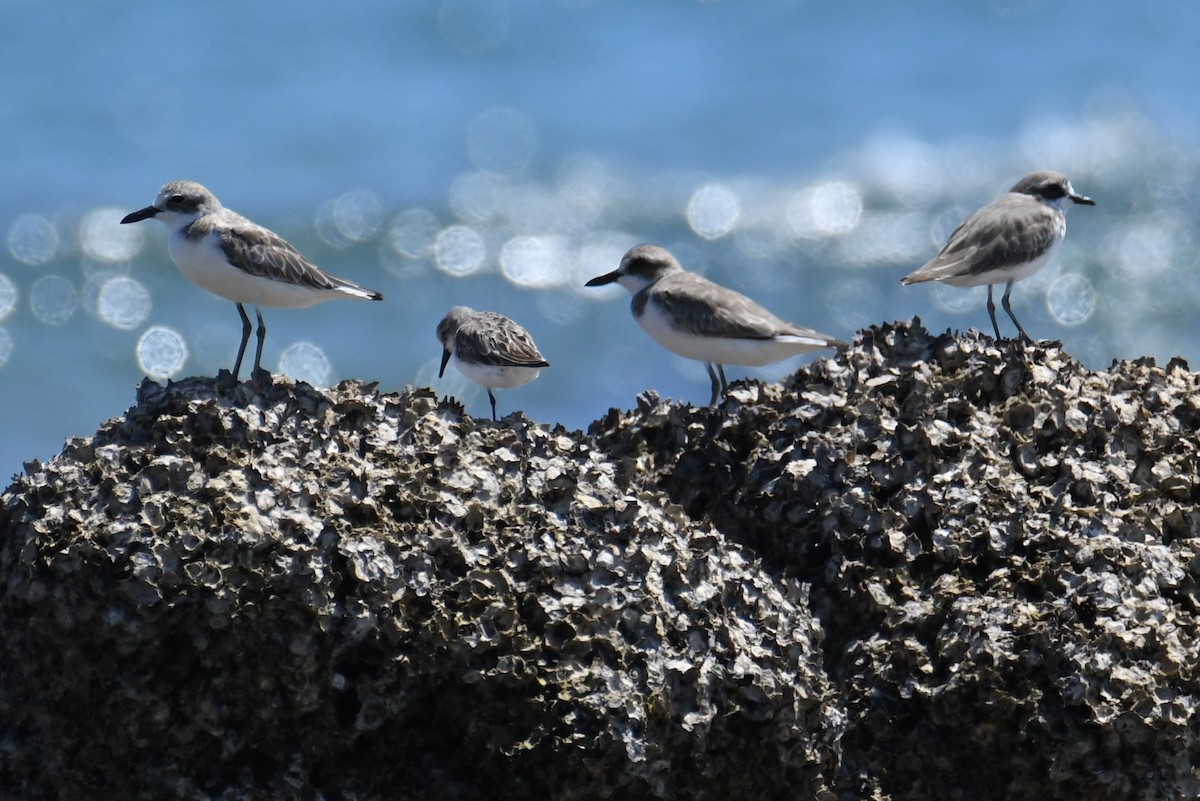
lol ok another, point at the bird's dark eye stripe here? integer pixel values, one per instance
(1053, 191)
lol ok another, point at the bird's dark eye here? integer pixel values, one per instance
(1053, 191)
(176, 200)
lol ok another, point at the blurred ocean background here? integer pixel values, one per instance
(498, 153)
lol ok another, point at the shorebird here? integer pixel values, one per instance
(490, 349)
(697, 319)
(221, 251)
(1009, 239)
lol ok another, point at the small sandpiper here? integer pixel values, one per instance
(223, 252)
(697, 319)
(1009, 239)
(490, 349)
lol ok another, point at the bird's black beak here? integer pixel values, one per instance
(1083, 201)
(141, 214)
(601, 280)
(445, 361)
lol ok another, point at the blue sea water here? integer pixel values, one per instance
(498, 153)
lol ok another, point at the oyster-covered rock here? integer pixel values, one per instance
(279, 592)
(1001, 545)
(931, 566)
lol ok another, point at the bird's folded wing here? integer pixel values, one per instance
(264, 254)
(714, 311)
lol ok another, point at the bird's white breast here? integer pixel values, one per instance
(203, 262)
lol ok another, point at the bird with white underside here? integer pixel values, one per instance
(1009, 239)
(490, 349)
(221, 251)
(695, 318)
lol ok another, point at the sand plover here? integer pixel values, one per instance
(223, 252)
(1009, 239)
(490, 349)
(697, 319)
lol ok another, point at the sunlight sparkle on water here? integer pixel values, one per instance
(123, 303)
(161, 352)
(957, 299)
(891, 238)
(358, 215)
(713, 211)
(350, 218)
(9, 296)
(304, 361)
(836, 207)
(473, 197)
(459, 250)
(32, 239)
(413, 232)
(104, 239)
(536, 262)
(53, 299)
(1146, 249)
(1071, 299)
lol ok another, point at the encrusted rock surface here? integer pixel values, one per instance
(287, 593)
(928, 567)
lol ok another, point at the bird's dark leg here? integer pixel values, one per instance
(492, 398)
(991, 306)
(724, 383)
(237, 365)
(716, 385)
(1008, 308)
(262, 335)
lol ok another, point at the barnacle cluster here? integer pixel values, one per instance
(281, 592)
(932, 566)
(1003, 549)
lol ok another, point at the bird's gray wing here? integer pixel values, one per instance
(1011, 230)
(701, 307)
(494, 339)
(265, 254)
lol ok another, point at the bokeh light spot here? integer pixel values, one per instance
(103, 238)
(161, 352)
(836, 207)
(535, 261)
(32, 239)
(958, 299)
(473, 197)
(713, 211)
(898, 237)
(123, 303)
(9, 296)
(53, 299)
(304, 361)
(413, 232)
(358, 215)
(459, 250)
(1071, 299)
(1147, 249)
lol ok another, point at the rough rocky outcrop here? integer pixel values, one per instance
(928, 567)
